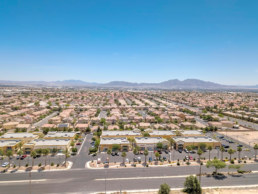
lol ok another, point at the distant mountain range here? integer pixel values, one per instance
(170, 84)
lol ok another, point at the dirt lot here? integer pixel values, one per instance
(214, 191)
(245, 137)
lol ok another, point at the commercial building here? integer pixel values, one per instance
(23, 137)
(182, 142)
(150, 143)
(59, 144)
(60, 135)
(107, 143)
(119, 134)
(6, 145)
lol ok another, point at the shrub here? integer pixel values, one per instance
(192, 185)
(188, 163)
(232, 161)
(39, 165)
(14, 166)
(244, 161)
(57, 165)
(27, 165)
(52, 163)
(178, 164)
(164, 189)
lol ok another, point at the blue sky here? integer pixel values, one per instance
(129, 40)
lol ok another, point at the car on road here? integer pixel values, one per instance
(5, 164)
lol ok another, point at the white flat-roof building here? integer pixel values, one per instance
(121, 134)
(108, 142)
(24, 137)
(183, 142)
(150, 143)
(6, 145)
(60, 144)
(60, 135)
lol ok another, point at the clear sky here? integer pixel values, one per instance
(129, 40)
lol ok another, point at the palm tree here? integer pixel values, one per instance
(230, 152)
(255, 150)
(239, 149)
(222, 150)
(67, 155)
(109, 153)
(1, 154)
(209, 148)
(157, 155)
(123, 155)
(33, 154)
(200, 152)
(189, 148)
(146, 153)
(20, 152)
(9, 154)
(45, 153)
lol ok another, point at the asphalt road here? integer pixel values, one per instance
(82, 180)
(45, 120)
(88, 181)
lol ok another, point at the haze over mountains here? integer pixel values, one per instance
(170, 84)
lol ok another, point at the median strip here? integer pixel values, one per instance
(22, 181)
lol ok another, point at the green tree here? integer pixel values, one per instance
(222, 150)
(217, 164)
(159, 145)
(20, 152)
(9, 154)
(209, 148)
(255, 150)
(45, 152)
(1, 155)
(33, 154)
(239, 149)
(67, 155)
(202, 146)
(146, 153)
(115, 147)
(109, 153)
(123, 155)
(235, 166)
(230, 152)
(189, 148)
(157, 155)
(200, 152)
(192, 185)
(164, 189)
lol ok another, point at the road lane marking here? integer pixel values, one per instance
(82, 144)
(22, 181)
(138, 178)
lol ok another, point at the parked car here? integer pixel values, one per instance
(99, 160)
(230, 141)
(18, 157)
(166, 151)
(94, 154)
(79, 143)
(225, 146)
(240, 145)
(164, 158)
(23, 157)
(186, 150)
(180, 151)
(5, 164)
(150, 159)
(139, 159)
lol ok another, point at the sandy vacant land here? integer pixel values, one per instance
(245, 137)
(211, 191)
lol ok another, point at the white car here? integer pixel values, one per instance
(5, 164)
